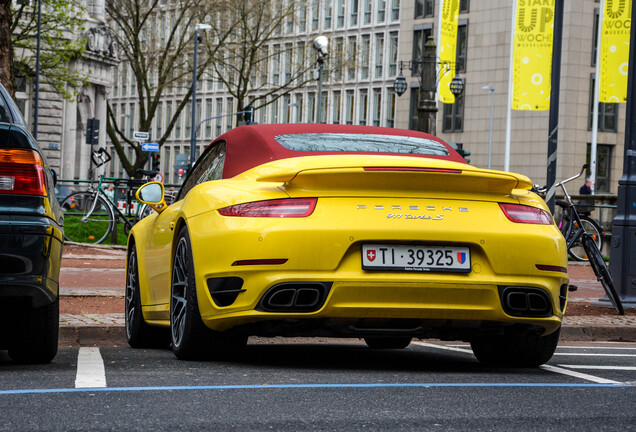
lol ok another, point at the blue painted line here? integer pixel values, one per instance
(298, 386)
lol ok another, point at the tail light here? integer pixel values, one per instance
(293, 207)
(524, 214)
(21, 172)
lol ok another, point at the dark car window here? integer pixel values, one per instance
(209, 167)
(4, 110)
(367, 143)
(14, 137)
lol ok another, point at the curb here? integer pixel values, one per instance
(116, 335)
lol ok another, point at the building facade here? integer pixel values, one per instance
(380, 36)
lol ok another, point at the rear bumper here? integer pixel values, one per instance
(30, 256)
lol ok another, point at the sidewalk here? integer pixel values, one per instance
(92, 282)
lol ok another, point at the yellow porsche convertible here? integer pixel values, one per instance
(346, 231)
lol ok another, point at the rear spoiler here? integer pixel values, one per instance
(397, 174)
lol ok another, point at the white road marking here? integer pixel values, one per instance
(598, 367)
(580, 375)
(595, 347)
(90, 369)
(592, 354)
(444, 347)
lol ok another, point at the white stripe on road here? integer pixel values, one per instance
(90, 369)
(580, 375)
(444, 347)
(598, 367)
(595, 347)
(592, 354)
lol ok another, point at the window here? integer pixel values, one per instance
(607, 113)
(377, 106)
(219, 112)
(158, 118)
(379, 54)
(315, 14)
(209, 167)
(131, 122)
(275, 110)
(302, 18)
(299, 108)
(364, 56)
(462, 46)
(595, 37)
(168, 112)
(381, 11)
(289, 51)
(354, 13)
(115, 81)
(325, 107)
(420, 36)
(351, 61)
(395, 10)
(276, 65)
(311, 114)
(328, 14)
(390, 109)
(364, 102)
(188, 122)
(603, 166)
(229, 108)
(208, 114)
(393, 53)
(413, 114)
(339, 59)
(287, 108)
(341, 13)
(464, 5)
(337, 102)
(350, 107)
(367, 11)
(453, 116)
(424, 8)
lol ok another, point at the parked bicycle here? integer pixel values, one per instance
(583, 236)
(90, 216)
(571, 227)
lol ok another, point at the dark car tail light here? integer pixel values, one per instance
(21, 172)
(525, 214)
(293, 207)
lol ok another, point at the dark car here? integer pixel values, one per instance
(31, 229)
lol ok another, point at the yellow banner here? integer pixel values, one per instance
(532, 55)
(448, 48)
(614, 61)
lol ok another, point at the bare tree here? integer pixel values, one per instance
(258, 64)
(158, 48)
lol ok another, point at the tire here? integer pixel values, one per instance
(191, 339)
(82, 228)
(138, 333)
(36, 337)
(577, 251)
(529, 350)
(602, 273)
(396, 342)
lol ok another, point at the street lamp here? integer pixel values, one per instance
(491, 89)
(321, 44)
(193, 136)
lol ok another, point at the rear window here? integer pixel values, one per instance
(363, 143)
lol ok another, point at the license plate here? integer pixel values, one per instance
(422, 258)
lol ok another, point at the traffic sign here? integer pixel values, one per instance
(150, 147)
(141, 136)
(158, 178)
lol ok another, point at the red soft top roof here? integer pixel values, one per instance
(253, 145)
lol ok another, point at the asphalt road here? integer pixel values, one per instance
(328, 386)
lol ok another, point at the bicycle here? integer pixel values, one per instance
(577, 234)
(571, 230)
(91, 215)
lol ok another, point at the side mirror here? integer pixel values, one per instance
(152, 194)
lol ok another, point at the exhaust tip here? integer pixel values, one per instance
(295, 297)
(525, 302)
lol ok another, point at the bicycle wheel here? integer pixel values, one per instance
(85, 222)
(602, 272)
(144, 211)
(577, 251)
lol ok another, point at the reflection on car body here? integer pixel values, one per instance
(347, 231)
